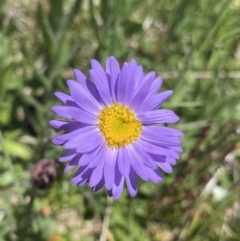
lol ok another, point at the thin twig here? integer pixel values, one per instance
(212, 183)
(106, 219)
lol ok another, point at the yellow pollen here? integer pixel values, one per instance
(119, 126)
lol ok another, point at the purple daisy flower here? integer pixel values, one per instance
(112, 132)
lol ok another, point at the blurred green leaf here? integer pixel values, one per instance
(6, 179)
(47, 31)
(17, 149)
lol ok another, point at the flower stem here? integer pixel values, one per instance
(106, 219)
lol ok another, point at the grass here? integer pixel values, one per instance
(194, 45)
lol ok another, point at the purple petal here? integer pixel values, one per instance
(81, 174)
(144, 157)
(118, 184)
(57, 124)
(86, 130)
(87, 85)
(141, 91)
(117, 190)
(123, 161)
(66, 126)
(154, 175)
(165, 166)
(109, 167)
(72, 163)
(157, 158)
(151, 148)
(176, 148)
(171, 160)
(83, 116)
(91, 144)
(89, 157)
(77, 177)
(68, 155)
(109, 192)
(155, 101)
(112, 68)
(162, 140)
(99, 78)
(97, 174)
(63, 97)
(162, 130)
(79, 132)
(62, 111)
(81, 78)
(139, 76)
(120, 82)
(162, 163)
(126, 83)
(58, 142)
(98, 186)
(97, 68)
(82, 182)
(158, 116)
(83, 98)
(136, 162)
(131, 181)
(148, 79)
(100, 155)
(86, 138)
(156, 85)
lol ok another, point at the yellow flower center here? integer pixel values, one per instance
(119, 126)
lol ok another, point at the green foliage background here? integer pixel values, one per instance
(194, 45)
